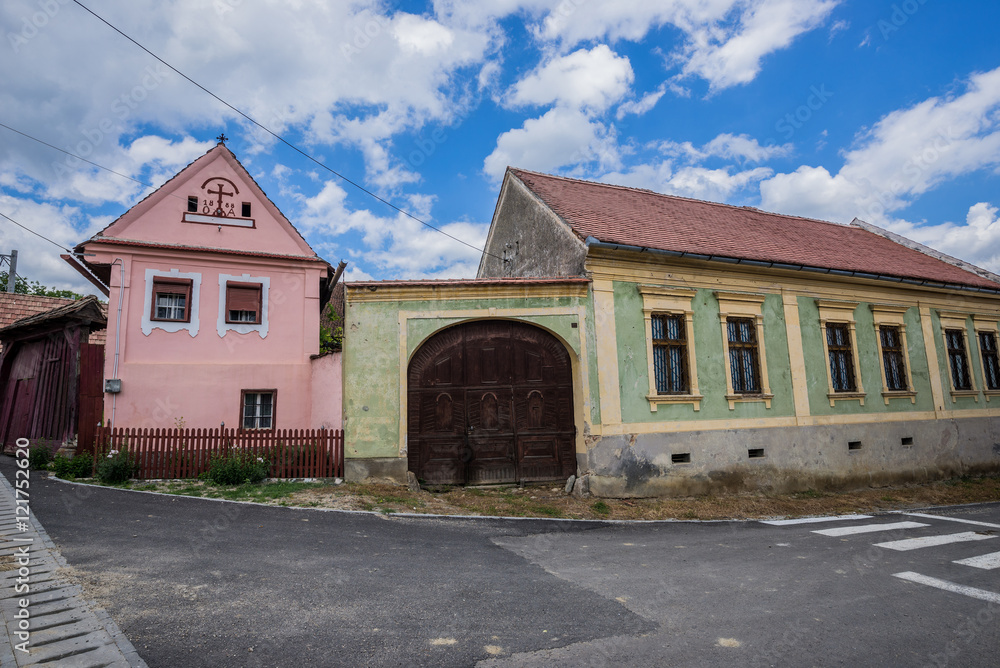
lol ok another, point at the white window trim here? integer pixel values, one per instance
(893, 315)
(222, 326)
(954, 320)
(659, 300)
(192, 326)
(842, 313)
(982, 322)
(744, 305)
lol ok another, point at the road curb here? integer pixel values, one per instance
(91, 636)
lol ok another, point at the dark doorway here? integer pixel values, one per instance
(491, 401)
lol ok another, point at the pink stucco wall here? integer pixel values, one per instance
(170, 377)
(327, 391)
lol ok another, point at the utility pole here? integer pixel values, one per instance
(12, 273)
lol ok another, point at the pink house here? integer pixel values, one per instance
(214, 308)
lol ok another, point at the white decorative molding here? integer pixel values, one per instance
(148, 324)
(222, 326)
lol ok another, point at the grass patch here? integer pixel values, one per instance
(600, 508)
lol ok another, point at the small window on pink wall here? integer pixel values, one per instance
(243, 303)
(257, 409)
(171, 300)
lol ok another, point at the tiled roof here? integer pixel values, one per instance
(642, 218)
(14, 307)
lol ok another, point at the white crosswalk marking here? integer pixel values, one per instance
(869, 528)
(953, 519)
(810, 520)
(981, 594)
(987, 562)
(931, 541)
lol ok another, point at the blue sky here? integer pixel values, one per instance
(834, 109)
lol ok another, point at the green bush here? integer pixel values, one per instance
(80, 466)
(237, 467)
(39, 457)
(116, 467)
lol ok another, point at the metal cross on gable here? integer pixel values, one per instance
(222, 138)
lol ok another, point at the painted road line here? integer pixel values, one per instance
(870, 528)
(981, 594)
(953, 519)
(931, 541)
(810, 520)
(987, 562)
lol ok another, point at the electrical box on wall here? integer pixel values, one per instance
(113, 385)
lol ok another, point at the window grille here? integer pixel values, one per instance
(670, 354)
(991, 361)
(744, 357)
(892, 358)
(258, 410)
(838, 343)
(957, 359)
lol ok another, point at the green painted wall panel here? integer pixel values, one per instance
(959, 403)
(633, 363)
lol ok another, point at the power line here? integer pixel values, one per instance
(282, 139)
(36, 233)
(89, 162)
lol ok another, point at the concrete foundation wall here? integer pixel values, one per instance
(794, 458)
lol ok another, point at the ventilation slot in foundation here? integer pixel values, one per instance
(681, 458)
(755, 453)
(854, 445)
(906, 440)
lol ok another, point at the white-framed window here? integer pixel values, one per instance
(742, 319)
(171, 301)
(840, 348)
(243, 304)
(257, 409)
(673, 371)
(954, 330)
(890, 334)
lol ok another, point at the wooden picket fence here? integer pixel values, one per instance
(186, 453)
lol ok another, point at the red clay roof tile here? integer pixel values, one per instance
(635, 217)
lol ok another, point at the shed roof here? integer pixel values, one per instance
(646, 219)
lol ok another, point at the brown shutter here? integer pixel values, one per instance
(171, 288)
(243, 297)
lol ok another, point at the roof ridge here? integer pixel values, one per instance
(671, 196)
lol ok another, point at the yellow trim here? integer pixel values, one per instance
(839, 312)
(607, 352)
(451, 292)
(744, 305)
(670, 301)
(581, 368)
(983, 323)
(930, 349)
(796, 354)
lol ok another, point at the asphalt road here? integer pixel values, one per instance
(194, 582)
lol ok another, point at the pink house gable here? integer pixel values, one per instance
(214, 308)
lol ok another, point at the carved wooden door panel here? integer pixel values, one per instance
(490, 402)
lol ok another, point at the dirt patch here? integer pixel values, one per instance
(548, 501)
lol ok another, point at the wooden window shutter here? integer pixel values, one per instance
(172, 288)
(243, 296)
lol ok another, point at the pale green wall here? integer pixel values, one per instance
(869, 362)
(371, 358)
(633, 363)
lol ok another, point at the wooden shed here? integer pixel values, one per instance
(50, 376)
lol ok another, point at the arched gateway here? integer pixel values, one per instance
(491, 401)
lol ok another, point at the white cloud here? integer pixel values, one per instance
(729, 146)
(642, 105)
(561, 137)
(397, 246)
(592, 80)
(904, 155)
(731, 55)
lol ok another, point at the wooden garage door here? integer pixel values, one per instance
(491, 402)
